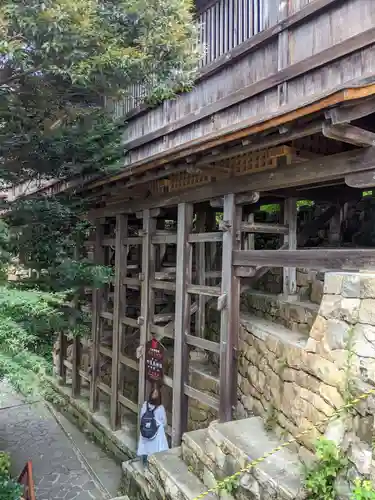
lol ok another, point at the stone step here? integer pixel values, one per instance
(264, 329)
(293, 313)
(193, 451)
(176, 480)
(233, 445)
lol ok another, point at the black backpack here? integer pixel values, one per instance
(149, 427)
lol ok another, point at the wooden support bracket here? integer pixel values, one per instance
(350, 134)
(222, 302)
(361, 180)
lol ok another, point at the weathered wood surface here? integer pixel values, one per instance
(149, 226)
(182, 322)
(361, 180)
(350, 134)
(229, 316)
(97, 300)
(323, 169)
(119, 307)
(257, 227)
(348, 259)
(290, 220)
(275, 78)
(316, 42)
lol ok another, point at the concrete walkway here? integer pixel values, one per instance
(66, 465)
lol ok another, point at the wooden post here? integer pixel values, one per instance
(62, 356)
(182, 321)
(76, 362)
(96, 308)
(230, 287)
(250, 237)
(290, 218)
(76, 359)
(149, 225)
(334, 235)
(200, 264)
(118, 312)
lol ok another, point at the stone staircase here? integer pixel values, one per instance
(209, 455)
(295, 313)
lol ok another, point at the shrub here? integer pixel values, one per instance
(363, 490)
(320, 480)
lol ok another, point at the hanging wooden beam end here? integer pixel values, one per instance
(140, 320)
(224, 225)
(222, 302)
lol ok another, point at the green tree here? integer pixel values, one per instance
(60, 61)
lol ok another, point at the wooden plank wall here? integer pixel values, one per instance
(343, 34)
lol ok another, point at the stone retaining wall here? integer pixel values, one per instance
(294, 386)
(309, 283)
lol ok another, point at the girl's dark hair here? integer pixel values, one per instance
(155, 399)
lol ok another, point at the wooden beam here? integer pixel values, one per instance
(290, 220)
(269, 141)
(351, 112)
(361, 180)
(255, 227)
(350, 134)
(324, 169)
(202, 397)
(243, 199)
(348, 259)
(210, 291)
(149, 226)
(119, 307)
(205, 237)
(97, 298)
(322, 58)
(128, 403)
(202, 343)
(200, 262)
(131, 363)
(229, 316)
(182, 323)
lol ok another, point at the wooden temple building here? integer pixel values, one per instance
(283, 110)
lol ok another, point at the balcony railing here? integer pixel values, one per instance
(224, 25)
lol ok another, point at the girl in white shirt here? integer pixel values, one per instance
(159, 442)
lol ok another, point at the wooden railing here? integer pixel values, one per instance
(224, 24)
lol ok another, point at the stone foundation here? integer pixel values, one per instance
(294, 383)
(309, 283)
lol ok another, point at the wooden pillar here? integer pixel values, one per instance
(230, 289)
(62, 356)
(290, 219)
(250, 237)
(118, 313)
(77, 348)
(97, 298)
(76, 362)
(147, 304)
(200, 265)
(182, 321)
(334, 235)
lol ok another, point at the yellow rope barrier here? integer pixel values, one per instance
(221, 484)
